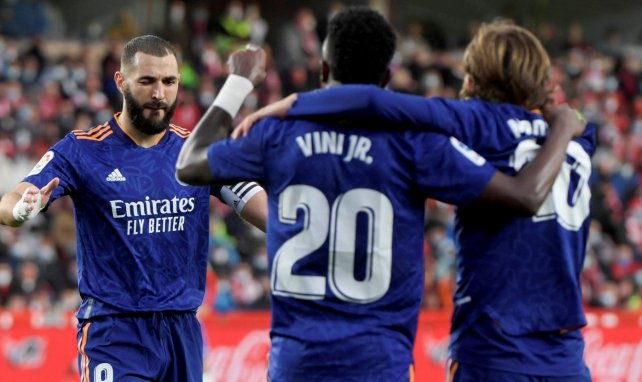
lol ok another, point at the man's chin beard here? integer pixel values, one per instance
(147, 126)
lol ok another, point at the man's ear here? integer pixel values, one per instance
(468, 83)
(467, 87)
(325, 73)
(119, 80)
(387, 75)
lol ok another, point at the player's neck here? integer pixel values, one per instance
(140, 138)
(330, 83)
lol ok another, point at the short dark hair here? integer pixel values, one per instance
(147, 44)
(360, 46)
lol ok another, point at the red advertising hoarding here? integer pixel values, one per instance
(237, 346)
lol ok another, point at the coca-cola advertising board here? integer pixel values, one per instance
(237, 345)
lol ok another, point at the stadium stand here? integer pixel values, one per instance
(50, 87)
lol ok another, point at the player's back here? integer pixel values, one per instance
(522, 272)
(518, 297)
(350, 273)
(345, 237)
(503, 259)
(509, 137)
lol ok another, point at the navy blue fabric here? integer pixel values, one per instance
(159, 347)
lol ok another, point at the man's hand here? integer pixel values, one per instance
(247, 69)
(24, 202)
(33, 200)
(249, 63)
(531, 186)
(276, 109)
(564, 115)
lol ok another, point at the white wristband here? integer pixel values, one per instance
(233, 93)
(20, 213)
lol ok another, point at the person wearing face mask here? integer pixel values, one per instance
(298, 52)
(6, 275)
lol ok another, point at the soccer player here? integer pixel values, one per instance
(346, 211)
(518, 306)
(142, 235)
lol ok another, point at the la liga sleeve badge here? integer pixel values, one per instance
(42, 163)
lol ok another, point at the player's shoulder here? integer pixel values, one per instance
(178, 132)
(588, 139)
(471, 104)
(92, 135)
(272, 121)
(501, 108)
(493, 117)
(271, 126)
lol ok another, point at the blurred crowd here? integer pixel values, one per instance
(48, 88)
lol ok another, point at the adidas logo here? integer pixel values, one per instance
(116, 176)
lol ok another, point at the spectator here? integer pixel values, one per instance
(43, 97)
(299, 52)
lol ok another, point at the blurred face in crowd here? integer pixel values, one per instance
(150, 87)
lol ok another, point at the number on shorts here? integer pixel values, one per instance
(103, 373)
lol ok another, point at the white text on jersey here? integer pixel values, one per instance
(331, 142)
(519, 127)
(122, 209)
(150, 208)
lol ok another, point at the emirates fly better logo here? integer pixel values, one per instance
(153, 215)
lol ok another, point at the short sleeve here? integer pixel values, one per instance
(57, 162)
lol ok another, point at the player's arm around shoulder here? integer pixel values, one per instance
(24, 202)
(529, 188)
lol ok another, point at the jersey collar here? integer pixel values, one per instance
(122, 134)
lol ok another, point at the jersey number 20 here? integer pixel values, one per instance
(340, 222)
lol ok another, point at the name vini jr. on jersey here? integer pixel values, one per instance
(142, 216)
(330, 142)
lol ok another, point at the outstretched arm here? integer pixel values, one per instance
(24, 202)
(529, 188)
(247, 69)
